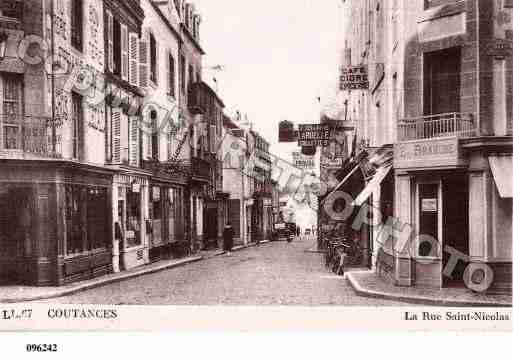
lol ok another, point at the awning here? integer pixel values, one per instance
(502, 169)
(346, 178)
(379, 176)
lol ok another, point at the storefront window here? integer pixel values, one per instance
(75, 211)
(97, 210)
(157, 204)
(133, 216)
(86, 219)
(172, 215)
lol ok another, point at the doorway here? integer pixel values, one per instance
(455, 192)
(16, 234)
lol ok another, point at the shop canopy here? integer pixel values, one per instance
(341, 183)
(379, 176)
(502, 169)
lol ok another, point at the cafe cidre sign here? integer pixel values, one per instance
(430, 153)
(354, 78)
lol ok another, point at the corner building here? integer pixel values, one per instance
(441, 92)
(55, 189)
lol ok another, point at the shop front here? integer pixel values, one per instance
(167, 218)
(167, 221)
(56, 229)
(131, 220)
(456, 215)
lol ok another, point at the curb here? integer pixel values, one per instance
(124, 276)
(416, 299)
(100, 283)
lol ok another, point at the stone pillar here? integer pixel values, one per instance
(115, 242)
(404, 272)
(480, 230)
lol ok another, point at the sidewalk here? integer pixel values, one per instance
(368, 284)
(18, 294)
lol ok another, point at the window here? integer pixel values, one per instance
(153, 58)
(75, 236)
(133, 217)
(97, 209)
(117, 47)
(191, 76)
(182, 73)
(86, 218)
(77, 24)
(12, 117)
(77, 117)
(157, 204)
(171, 75)
(154, 136)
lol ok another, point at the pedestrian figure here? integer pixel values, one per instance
(298, 232)
(228, 234)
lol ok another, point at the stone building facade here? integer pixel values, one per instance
(440, 93)
(56, 189)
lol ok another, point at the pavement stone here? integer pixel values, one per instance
(278, 273)
(368, 284)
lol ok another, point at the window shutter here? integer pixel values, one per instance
(168, 72)
(172, 74)
(144, 62)
(213, 139)
(156, 61)
(124, 52)
(116, 135)
(170, 145)
(133, 58)
(134, 141)
(110, 42)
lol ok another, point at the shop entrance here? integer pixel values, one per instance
(211, 225)
(455, 226)
(16, 226)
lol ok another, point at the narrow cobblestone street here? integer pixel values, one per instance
(273, 274)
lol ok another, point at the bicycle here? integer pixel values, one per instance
(349, 252)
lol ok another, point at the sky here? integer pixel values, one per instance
(278, 57)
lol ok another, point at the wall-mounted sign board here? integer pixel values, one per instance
(354, 78)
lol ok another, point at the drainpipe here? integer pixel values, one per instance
(52, 45)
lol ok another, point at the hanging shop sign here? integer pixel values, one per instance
(302, 161)
(499, 48)
(286, 132)
(354, 78)
(314, 135)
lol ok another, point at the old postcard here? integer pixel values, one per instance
(241, 165)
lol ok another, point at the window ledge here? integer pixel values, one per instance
(440, 11)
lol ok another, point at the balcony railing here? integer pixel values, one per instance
(30, 136)
(434, 126)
